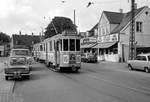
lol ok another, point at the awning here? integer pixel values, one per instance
(104, 45)
(88, 45)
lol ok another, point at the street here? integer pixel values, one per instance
(103, 82)
(96, 82)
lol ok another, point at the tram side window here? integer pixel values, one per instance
(72, 45)
(50, 45)
(60, 45)
(65, 44)
(57, 45)
(44, 47)
(77, 44)
(41, 48)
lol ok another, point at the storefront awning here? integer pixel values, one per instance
(104, 45)
(88, 45)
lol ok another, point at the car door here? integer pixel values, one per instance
(136, 62)
(142, 63)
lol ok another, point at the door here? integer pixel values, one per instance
(57, 53)
(142, 63)
(136, 62)
(46, 52)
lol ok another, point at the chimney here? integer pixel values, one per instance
(121, 10)
(19, 32)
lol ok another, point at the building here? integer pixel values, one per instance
(1, 50)
(4, 49)
(24, 41)
(89, 40)
(114, 31)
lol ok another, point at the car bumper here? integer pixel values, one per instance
(18, 75)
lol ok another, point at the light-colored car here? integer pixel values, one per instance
(17, 67)
(141, 62)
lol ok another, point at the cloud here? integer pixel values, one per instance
(28, 15)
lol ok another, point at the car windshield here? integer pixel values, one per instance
(17, 61)
(21, 52)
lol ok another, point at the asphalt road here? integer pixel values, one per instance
(103, 82)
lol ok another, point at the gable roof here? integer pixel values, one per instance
(114, 17)
(92, 30)
(26, 40)
(126, 19)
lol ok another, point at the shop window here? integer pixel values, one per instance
(110, 51)
(102, 52)
(115, 51)
(106, 51)
(139, 26)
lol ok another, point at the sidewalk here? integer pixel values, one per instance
(6, 87)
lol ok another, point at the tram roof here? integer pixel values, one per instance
(58, 36)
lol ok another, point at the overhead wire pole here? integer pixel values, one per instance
(132, 50)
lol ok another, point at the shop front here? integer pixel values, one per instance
(107, 48)
(87, 45)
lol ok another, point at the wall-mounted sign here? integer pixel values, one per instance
(108, 38)
(88, 40)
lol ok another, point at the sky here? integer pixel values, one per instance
(33, 16)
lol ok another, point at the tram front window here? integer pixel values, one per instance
(72, 45)
(77, 44)
(65, 44)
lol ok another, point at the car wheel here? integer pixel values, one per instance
(147, 70)
(74, 69)
(130, 67)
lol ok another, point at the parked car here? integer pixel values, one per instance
(83, 58)
(89, 57)
(141, 62)
(17, 67)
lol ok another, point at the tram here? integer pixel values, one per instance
(61, 51)
(39, 51)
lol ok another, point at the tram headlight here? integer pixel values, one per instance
(65, 58)
(78, 58)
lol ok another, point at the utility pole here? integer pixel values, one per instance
(74, 15)
(132, 50)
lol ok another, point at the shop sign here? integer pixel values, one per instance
(88, 40)
(108, 38)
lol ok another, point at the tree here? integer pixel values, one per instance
(4, 38)
(58, 25)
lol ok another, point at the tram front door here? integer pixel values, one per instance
(57, 53)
